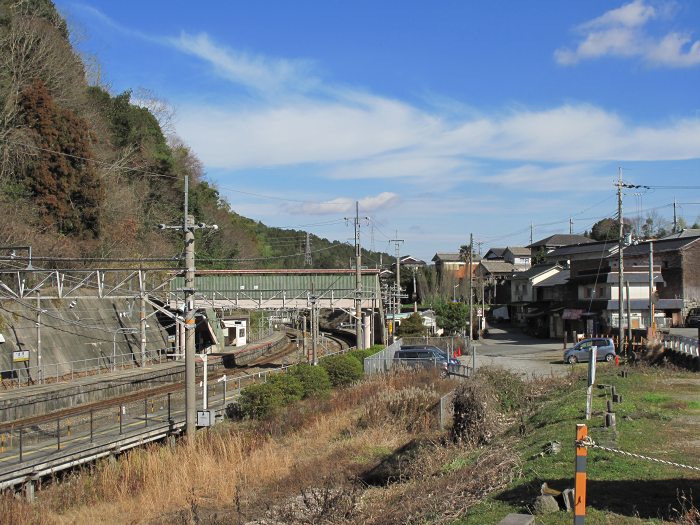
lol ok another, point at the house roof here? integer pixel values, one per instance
(494, 253)
(536, 270)
(498, 266)
(662, 245)
(453, 257)
(561, 239)
(685, 232)
(447, 257)
(597, 249)
(557, 279)
(518, 250)
(409, 259)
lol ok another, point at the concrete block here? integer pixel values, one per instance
(517, 519)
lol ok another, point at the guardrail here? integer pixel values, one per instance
(679, 343)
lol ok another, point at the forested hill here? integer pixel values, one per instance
(85, 173)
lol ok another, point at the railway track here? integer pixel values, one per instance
(215, 370)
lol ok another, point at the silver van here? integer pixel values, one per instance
(581, 351)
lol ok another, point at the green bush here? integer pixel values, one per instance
(259, 401)
(359, 354)
(289, 386)
(375, 349)
(314, 379)
(343, 370)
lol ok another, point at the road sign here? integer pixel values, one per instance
(479, 313)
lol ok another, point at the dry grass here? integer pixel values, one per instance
(302, 466)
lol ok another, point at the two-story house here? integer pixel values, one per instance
(524, 301)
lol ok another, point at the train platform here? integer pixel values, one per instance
(40, 399)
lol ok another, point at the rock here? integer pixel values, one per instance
(545, 504)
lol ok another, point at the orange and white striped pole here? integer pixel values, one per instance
(580, 475)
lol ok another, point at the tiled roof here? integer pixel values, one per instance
(518, 250)
(561, 239)
(597, 249)
(448, 257)
(685, 232)
(662, 245)
(495, 252)
(536, 270)
(555, 280)
(498, 266)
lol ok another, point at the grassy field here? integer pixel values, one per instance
(659, 417)
(374, 454)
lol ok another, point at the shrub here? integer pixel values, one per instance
(343, 370)
(359, 354)
(375, 349)
(290, 387)
(259, 401)
(314, 379)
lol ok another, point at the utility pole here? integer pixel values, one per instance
(358, 278)
(469, 272)
(397, 244)
(620, 263)
(571, 226)
(675, 219)
(40, 367)
(188, 227)
(478, 244)
(532, 227)
(650, 330)
(142, 320)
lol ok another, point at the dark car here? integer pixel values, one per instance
(581, 351)
(423, 356)
(692, 320)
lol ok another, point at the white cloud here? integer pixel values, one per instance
(255, 72)
(553, 179)
(624, 32)
(382, 201)
(634, 14)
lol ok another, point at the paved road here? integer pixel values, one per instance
(508, 347)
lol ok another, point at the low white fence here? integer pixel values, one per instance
(679, 343)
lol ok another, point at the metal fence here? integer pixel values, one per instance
(69, 370)
(384, 361)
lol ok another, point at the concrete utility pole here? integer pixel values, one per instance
(397, 244)
(469, 276)
(40, 368)
(142, 320)
(358, 278)
(471, 302)
(571, 226)
(620, 263)
(188, 227)
(650, 329)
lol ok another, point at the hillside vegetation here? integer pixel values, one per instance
(86, 173)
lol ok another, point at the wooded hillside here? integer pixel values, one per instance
(85, 173)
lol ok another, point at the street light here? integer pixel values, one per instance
(454, 293)
(124, 331)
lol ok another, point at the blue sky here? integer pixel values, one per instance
(440, 118)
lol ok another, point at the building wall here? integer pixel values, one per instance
(691, 276)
